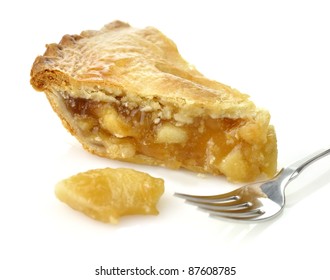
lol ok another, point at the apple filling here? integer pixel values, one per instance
(239, 148)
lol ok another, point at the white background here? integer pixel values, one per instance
(276, 51)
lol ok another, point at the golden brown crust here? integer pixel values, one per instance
(139, 61)
(139, 68)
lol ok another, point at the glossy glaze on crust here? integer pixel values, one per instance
(143, 62)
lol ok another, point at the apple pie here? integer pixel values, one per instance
(127, 94)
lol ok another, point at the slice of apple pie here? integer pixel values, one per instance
(127, 94)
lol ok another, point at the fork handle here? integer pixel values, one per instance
(296, 168)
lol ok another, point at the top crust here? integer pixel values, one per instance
(141, 64)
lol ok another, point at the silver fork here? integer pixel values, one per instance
(255, 201)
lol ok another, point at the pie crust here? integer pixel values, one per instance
(127, 94)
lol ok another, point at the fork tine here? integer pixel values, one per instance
(246, 215)
(236, 210)
(226, 197)
(222, 206)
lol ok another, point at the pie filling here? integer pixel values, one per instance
(216, 146)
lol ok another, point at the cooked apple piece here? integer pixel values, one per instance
(107, 194)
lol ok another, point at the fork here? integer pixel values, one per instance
(256, 201)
